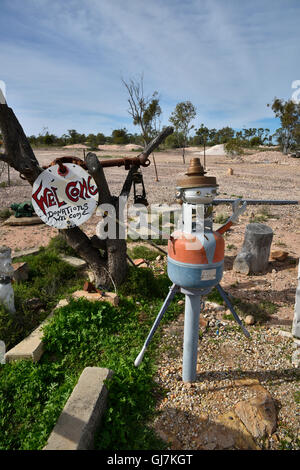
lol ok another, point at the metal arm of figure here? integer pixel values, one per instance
(237, 210)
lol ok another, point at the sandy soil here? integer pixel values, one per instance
(263, 175)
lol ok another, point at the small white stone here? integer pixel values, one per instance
(249, 320)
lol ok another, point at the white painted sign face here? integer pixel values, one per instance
(64, 199)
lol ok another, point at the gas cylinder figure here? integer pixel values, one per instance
(6, 274)
(195, 259)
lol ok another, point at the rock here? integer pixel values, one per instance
(140, 263)
(278, 255)
(73, 261)
(21, 271)
(226, 432)
(180, 302)
(110, 297)
(29, 251)
(215, 306)
(286, 334)
(158, 258)
(203, 321)
(249, 320)
(170, 438)
(230, 171)
(258, 414)
(23, 221)
(296, 358)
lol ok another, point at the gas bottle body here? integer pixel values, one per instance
(196, 260)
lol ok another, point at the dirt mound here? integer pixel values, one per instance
(214, 150)
(270, 156)
(110, 147)
(133, 147)
(76, 146)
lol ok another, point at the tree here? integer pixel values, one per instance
(181, 118)
(120, 136)
(289, 114)
(144, 110)
(110, 267)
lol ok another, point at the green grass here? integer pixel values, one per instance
(220, 218)
(141, 251)
(85, 334)
(50, 279)
(230, 246)
(297, 397)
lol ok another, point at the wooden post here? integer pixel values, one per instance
(255, 252)
(156, 174)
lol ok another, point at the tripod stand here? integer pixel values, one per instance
(193, 306)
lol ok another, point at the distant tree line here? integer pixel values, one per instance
(118, 136)
(145, 111)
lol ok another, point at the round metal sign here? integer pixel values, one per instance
(64, 196)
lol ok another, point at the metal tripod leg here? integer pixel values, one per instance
(230, 306)
(173, 289)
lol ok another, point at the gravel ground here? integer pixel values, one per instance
(229, 365)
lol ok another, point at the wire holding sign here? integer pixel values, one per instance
(64, 199)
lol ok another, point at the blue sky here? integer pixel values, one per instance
(62, 61)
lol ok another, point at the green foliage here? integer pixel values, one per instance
(234, 147)
(297, 397)
(289, 114)
(141, 251)
(175, 140)
(58, 245)
(214, 296)
(260, 310)
(255, 141)
(220, 218)
(181, 118)
(31, 398)
(5, 213)
(141, 283)
(120, 136)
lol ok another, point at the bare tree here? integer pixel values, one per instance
(109, 269)
(144, 110)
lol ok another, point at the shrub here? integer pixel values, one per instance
(234, 147)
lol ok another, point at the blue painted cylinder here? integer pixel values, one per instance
(195, 276)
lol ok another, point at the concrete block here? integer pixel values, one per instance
(27, 252)
(21, 271)
(73, 261)
(19, 221)
(82, 414)
(31, 347)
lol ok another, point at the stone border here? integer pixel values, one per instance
(31, 347)
(83, 412)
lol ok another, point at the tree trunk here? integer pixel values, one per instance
(255, 252)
